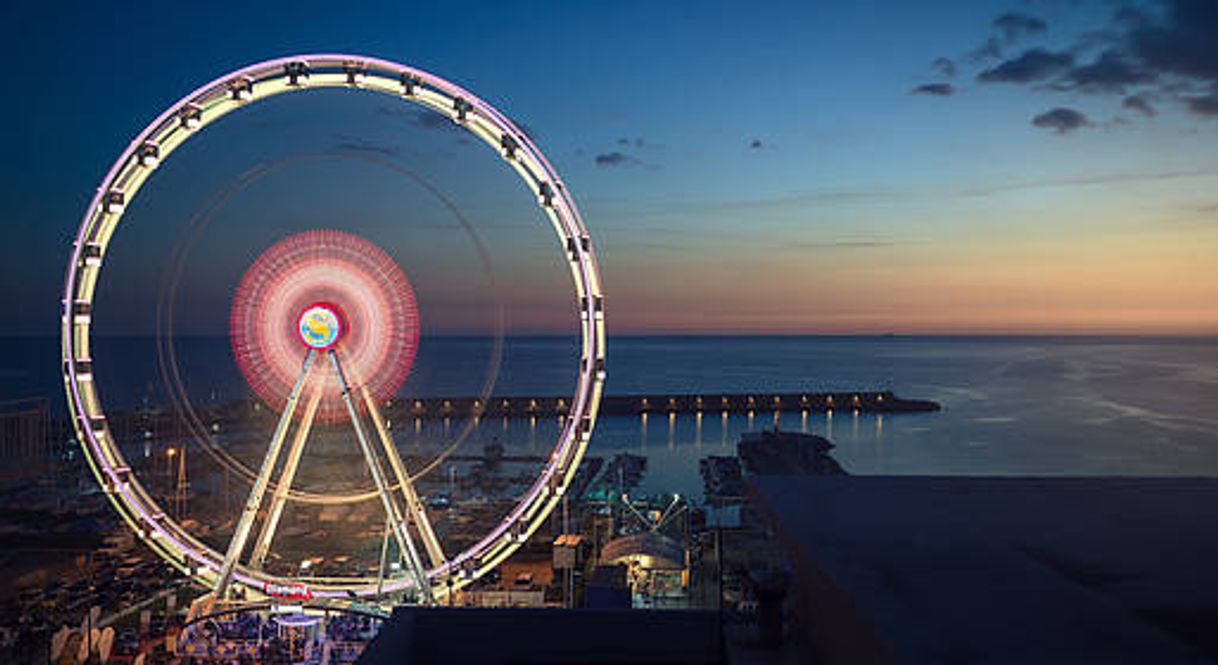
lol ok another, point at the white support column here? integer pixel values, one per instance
(418, 513)
(279, 499)
(398, 520)
(242, 532)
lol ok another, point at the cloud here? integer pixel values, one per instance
(1034, 65)
(990, 50)
(935, 89)
(616, 159)
(1141, 104)
(1061, 120)
(1165, 50)
(1204, 105)
(842, 243)
(421, 118)
(355, 145)
(1014, 25)
(945, 67)
(1130, 16)
(1185, 44)
(1111, 73)
(1090, 181)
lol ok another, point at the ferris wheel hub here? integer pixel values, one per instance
(321, 326)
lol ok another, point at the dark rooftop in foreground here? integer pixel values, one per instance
(510, 636)
(1001, 570)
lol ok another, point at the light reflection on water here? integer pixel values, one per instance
(1017, 405)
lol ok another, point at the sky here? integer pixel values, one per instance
(982, 166)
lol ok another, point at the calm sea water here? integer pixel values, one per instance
(1012, 405)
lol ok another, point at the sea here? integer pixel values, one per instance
(1011, 405)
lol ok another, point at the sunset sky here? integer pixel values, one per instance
(808, 167)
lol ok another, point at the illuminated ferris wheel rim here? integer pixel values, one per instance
(242, 88)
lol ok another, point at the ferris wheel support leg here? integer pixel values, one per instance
(262, 546)
(418, 513)
(258, 491)
(392, 510)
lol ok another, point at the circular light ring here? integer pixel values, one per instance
(167, 356)
(313, 290)
(213, 101)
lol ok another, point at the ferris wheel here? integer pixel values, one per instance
(324, 326)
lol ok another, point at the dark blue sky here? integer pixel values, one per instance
(823, 167)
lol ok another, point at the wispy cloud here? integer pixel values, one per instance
(934, 89)
(944, 66)
(1169, 54)
(616, 159)
(354, 145)
(1033, 65)
(1061, 120)
(1140, 103)
(1090, 181)
(845, 243)
(1014, 25)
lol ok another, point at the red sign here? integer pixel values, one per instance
(288, 591)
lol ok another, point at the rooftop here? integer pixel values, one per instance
(999, 569)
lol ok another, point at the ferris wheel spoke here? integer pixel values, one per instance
(435, 553)
(397, 519)
(262, 545)
(258, 491)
